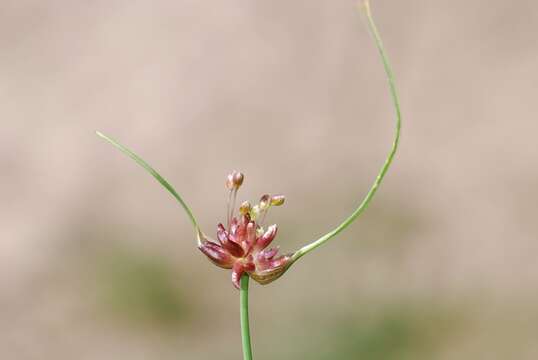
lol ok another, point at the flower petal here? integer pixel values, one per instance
(228, 243)
(264, 258)
(250, 239)
(280, 261)
(217, 254)
(240, 231)
(267, 238)
(233, 225)
(237, 271)
(268, 254)
(277, 269)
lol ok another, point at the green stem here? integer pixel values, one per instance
(394, 95)
(245, 329)
(157, 177)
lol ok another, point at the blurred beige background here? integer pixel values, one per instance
(99, 262)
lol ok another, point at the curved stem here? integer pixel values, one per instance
(157, 177)
(245, 329)
(394, 95)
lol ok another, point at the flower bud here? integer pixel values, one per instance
(238, 269)
(217, 254)
(277, 200)
(267, 237)
(227, 242)
(245, 208)
(259, 231)
(234, 180)
(267, 254)
(277, 269)
(255, 212)
(265, 202)
(251, 236)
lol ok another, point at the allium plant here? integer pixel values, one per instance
(243, 243)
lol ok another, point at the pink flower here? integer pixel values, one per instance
(243, 244)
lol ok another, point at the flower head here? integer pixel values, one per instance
(243, 244)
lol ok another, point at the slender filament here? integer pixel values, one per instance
(228, 216)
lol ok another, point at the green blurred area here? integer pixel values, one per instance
(414, 330)
(141, 289)
(392, 333)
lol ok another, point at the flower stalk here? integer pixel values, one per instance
(245, 324)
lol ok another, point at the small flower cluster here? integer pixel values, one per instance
(243, 243)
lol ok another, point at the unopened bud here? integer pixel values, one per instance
(259, 231)
(255, 212)
(277, 200)
(265, 202)
(217, 254)
(234, 180)
(267, 237)
(245, 208)
(277, 268)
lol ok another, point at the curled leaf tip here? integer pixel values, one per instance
(390, 157)
(153, 173)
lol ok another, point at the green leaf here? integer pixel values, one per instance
(380, 176)
(155, 174)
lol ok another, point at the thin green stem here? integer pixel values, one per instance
(157, 177)
(245, 328)
(394, 95)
